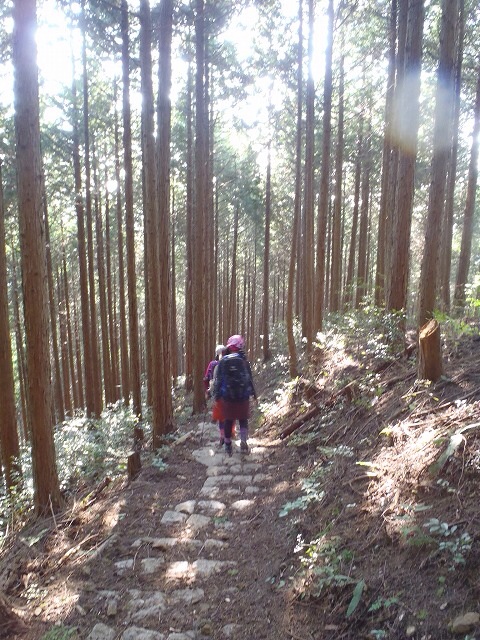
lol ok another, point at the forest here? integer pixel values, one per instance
(175, 172)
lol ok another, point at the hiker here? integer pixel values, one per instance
(208, 381)
(233, 387)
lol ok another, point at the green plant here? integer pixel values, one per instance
(456, 547)
(383, 603)
(60, 633)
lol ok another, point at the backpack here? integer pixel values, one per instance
(235, 383)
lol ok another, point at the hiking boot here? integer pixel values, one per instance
(244, 447)
(228, 449)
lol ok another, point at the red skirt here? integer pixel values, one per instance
(217, 411)
(235, 410)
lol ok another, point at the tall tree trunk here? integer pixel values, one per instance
(266, 261)
(32, 245)
(112, 335)
(129, 220)
(323, 201)
(87, 380)
(384, 214)
(447, 230)
(59, 409)
(466, 246)
(163, 188)
(189, 240)
(9, 445)
(349, 282)
(362, 272)
(122, 304)
(102, 291)
(198, 230)
(292, 348)
(65, 354)
(77, 382)
(308, 288)
(428, 286)
(408, 106)
(94, 354)
(336, 274)
(232, 303)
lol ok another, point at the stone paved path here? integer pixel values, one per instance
(193, 551)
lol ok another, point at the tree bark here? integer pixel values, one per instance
(9, 444)
(428, 286)
(33, 253)
(430, 365)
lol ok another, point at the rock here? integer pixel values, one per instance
(146, 606)
(197, 522)
(230, 630)
(101, 632)
(112, 608)
(173, 517)
(211, 507)
(187, 507)
(465, 623)
(241, 505)
(410, 631)
(186, 596)
(151, 565)
(136, 633)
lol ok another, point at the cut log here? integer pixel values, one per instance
(430, 365)
(134, 464)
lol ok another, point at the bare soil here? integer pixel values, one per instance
(384, 456)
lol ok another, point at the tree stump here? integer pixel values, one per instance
(134, 464)
(430, 366)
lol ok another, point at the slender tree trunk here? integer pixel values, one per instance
(292, 348)
(88, 379)
(198, 230)
(32, 245)
(163, 188)
(129, 220)
(336, 274)
(21, 360)
(384, 214)
(266, 261)
(94, 354)
(428, 286)
(67, 385)
(350, 279)
(9, 444)
(122, 308)
(408, 133)
(447, 231)
(59, 412)
(323, 201)
(77, 381)
(466, 245)
(189, 242)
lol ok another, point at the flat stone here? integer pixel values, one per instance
(173, 517)
(112, 608)
(247, 467)
(145, 606)
(101, 632)
(232, 491)
(186, 596)
(261, 477)
(213, 545)
(136, 633)
(209, 492)
(151, 565)
(122, 566)
(252, 489)
(242, 480)
(165, 544)
(138, 543)
(205, 568)
(218, 481)
(208, 456)
(196, 522)
(186, 507)
(199, 569)
(230, 630)
(241, 505)
(212, 507)
(181, 636)
(216, 471)
(465, 623)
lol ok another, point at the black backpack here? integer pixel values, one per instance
(235, 382)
